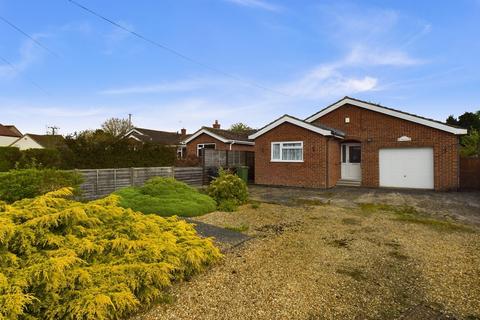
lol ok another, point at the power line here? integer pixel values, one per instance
(38, 43)
(173, 51)
(11, 65)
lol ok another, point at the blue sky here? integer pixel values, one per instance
(417, 56)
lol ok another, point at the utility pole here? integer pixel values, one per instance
(130, 121)
(54, 129)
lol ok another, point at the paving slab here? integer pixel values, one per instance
(228, 238)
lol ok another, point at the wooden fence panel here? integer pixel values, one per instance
(213, 159)
(101, 182)
(470, 173)
(190, 175)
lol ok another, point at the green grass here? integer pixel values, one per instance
(166, 197)
(411, 215)
(240, 228)
(254, 204)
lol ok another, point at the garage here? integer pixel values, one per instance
(406, 168)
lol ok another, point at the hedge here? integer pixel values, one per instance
(19, 184)
(92, 156)
(9, 157)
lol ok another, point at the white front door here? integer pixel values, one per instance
(351, 168)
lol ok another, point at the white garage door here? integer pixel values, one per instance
(406, 168)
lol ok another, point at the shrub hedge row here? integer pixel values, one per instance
(29, 183)
(92, 157)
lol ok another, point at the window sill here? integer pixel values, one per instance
(287, 161)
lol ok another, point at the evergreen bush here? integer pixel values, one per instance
(28, 183)
(166, 197)
(62, 259)
(228, 190)
(9, 156)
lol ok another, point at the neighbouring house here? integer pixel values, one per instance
(358, 143)
(39, 141)
(219, 139)
(171, 139)
(8, 135)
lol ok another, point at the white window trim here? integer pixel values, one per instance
(203, 146)
(281, 148)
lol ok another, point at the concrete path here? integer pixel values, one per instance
(227, 238)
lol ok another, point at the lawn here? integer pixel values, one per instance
(311, 260)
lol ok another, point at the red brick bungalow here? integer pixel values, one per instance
(371, 146)
(218, 139)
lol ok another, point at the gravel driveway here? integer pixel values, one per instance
(312, 260)
(461, 206)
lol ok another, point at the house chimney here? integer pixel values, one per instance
(216, 125)
(183, 132)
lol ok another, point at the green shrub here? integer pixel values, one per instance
(9, 156)
(62, 259)
(166, 197)
(228, 205)
(228, 190)
(28, 183)
(40, 158)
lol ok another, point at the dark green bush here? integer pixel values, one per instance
(97, 149)
(228, 190)
(29, 183)
(9, 156)
(40, 158)
(166, 197)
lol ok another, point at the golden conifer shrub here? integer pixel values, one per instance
(62, 259)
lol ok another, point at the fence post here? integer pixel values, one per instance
(227, 165)
(203, 167)
(96, 183)
(115, 179)
(132, 179)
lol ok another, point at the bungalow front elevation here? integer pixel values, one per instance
(353, 142)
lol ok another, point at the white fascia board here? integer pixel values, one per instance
(389, 112)
(292, 121)
(250, 143)
(133, 130)
(199, 132)
(133, 137)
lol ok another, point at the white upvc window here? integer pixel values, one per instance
(202, 146)
(287, 151)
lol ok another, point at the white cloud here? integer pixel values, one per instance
(28, 54)
(256, 4)
(328, 81)
(369, 56)
(164, 87)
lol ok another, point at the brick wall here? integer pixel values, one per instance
(204, 138)
(333, 161)
(309, 173)
(375, 130)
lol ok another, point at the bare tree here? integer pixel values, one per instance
(116, 127)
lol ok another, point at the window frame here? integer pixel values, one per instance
(203, 147)
(281, 149)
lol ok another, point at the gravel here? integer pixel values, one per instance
(330, 262)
